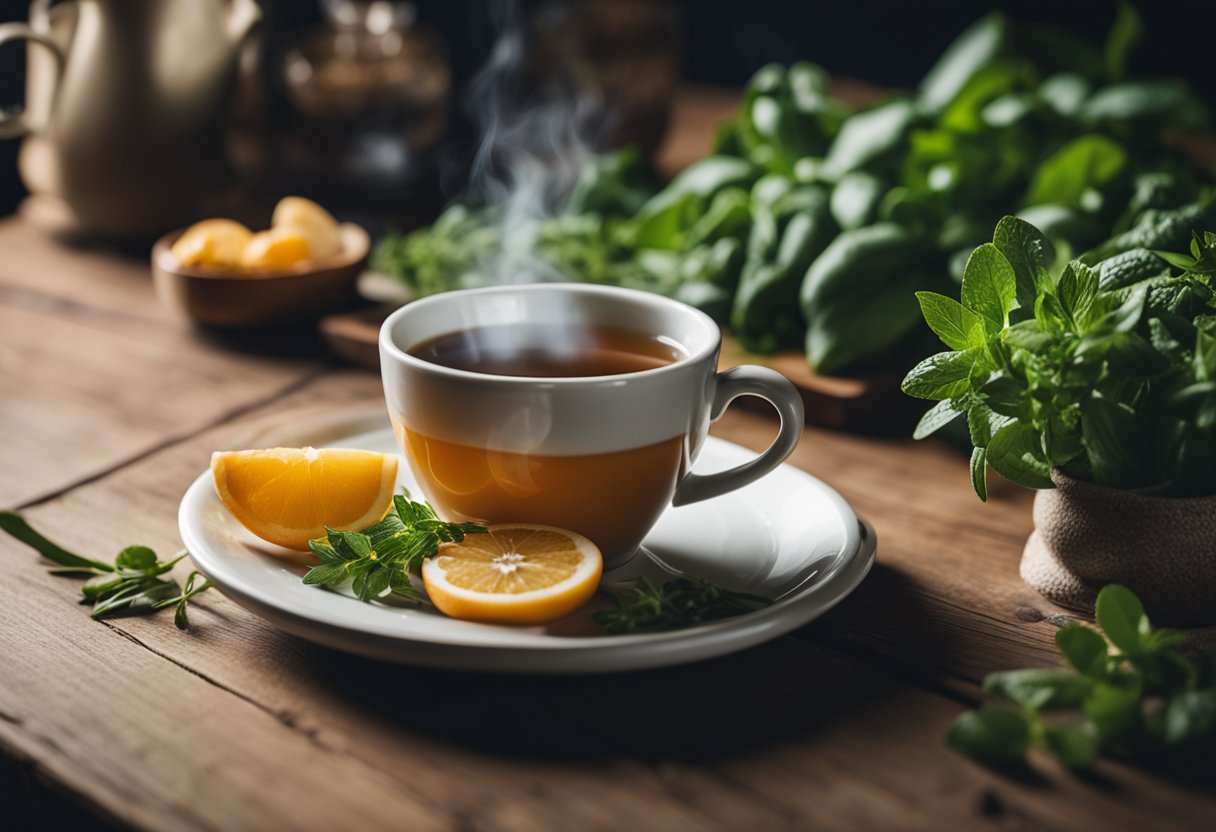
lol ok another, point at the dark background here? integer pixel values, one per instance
(725, 41)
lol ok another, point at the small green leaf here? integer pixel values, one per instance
(979, 472)
(1115, 714)
(16, 526)
(989, 286)
(936, 418)
(1114, 442)
(350, 545)
(1085, 162)
(1017, 455)
(327, 574)
(1125, 33)
(993, 735)
(136, 559)
(1085, 649)
(1040, 688)
(957, 326)
(1121, 616)
(1190, 719)
(324, 552)
(983, 422)
(1180, 261)
(941, 376)
(1028, 252)
(1076, 290)
(1074, 746)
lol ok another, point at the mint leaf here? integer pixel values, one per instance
(327, 574)
(1121, 616)
(1017, 455)
(1190, 719)
(1040, 689)
(941, 376)
(1125, 33)
(937, 417)
(1028, 252)
(957, 326)
(1086, 162)
(992, 735)
(1084, 648)
(1074, 746)
(979, 472)
(1114, 442)
(1115, 714)
(989, 286)
(1076, 290)
(136, 559)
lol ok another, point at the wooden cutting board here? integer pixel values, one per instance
(871, 404)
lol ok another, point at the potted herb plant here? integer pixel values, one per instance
(1097, 385)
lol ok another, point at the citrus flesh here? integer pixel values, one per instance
(215, 242)
(289, 495)
(516, 573)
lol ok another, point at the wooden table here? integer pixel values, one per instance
(110, 409)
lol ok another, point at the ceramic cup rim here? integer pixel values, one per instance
(389, 346)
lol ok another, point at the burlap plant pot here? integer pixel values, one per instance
(1162, 548)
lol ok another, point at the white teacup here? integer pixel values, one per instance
(602, 455)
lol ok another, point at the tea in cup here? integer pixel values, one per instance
(570, 405)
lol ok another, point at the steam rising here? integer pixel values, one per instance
(533, 142)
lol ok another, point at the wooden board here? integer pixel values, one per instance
(873, 404)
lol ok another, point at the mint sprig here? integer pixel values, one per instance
(132, 585)
(681, 602)
(1129, 690)
(378, 560)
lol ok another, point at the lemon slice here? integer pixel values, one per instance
(289, 495)
(517, 573)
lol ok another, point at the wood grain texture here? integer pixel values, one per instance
(235, 725)
(793, 734)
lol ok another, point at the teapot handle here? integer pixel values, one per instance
(14, 125)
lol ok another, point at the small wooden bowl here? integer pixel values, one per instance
(223, 298)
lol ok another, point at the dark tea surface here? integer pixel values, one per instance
(548, 350)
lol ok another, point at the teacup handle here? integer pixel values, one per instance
(12, 126)
(776, 389)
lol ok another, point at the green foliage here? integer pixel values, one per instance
(134, 584)
(1034, 122)
(1130, 690)
(680, 602)
(1105, 372)
(379, 560)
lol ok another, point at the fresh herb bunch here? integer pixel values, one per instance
(135, 583)
(378, 560)
(812, 226)
(1106, 372)
(1130, 690)
(681, 602)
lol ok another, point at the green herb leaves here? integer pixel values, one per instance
(133, 584)
(681, 602)
(1104, 372)
(378, 561)
(1133, 692)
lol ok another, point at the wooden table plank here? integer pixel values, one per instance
(81, 400)
(786, 735)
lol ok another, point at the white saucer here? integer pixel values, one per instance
(787, 536)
